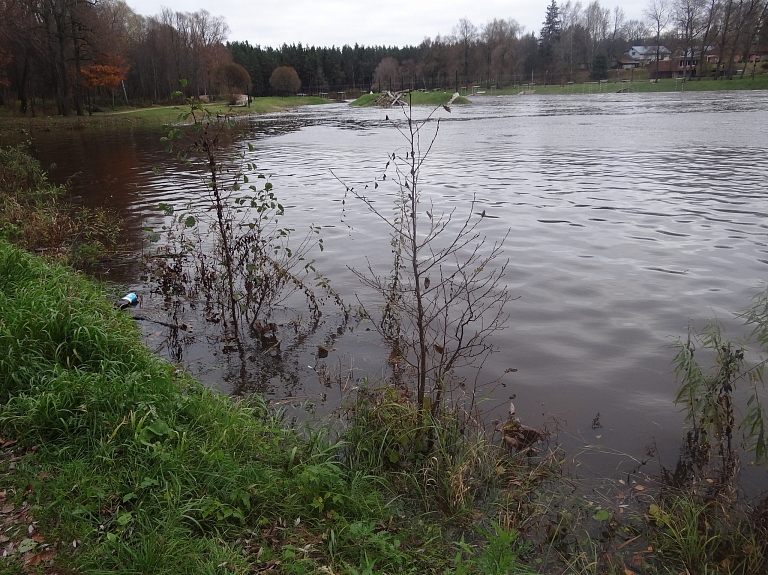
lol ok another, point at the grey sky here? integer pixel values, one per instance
(339, 22)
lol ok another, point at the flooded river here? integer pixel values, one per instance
(631, 217)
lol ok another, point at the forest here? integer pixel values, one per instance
(69, 53)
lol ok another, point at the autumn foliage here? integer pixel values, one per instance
(106, 76)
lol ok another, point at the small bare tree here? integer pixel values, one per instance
(443, 298)
(236, 252)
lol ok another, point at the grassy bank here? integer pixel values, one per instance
(115, 462)
(416, 98)
(637, 85)
(149, 116)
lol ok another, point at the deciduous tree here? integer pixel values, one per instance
(285, 81)
(233, 78)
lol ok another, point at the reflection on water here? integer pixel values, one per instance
(632, 216)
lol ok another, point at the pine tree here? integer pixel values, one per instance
(550, 33)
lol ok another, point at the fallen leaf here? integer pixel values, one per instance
(43, 475)
(637, 560)
(629, 572)
(598, 436)
(30, 488)
(9, 443)
(639, 488)
(26, 545)
(38, 538)
(7, 508)
(42, 557)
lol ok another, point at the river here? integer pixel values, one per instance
(631, 217)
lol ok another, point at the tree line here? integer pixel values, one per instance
(67, 52)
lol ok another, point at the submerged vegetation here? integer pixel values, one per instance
(116, 462)
(125, 116)
(34, 214)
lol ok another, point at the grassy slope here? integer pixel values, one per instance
(148, 470)
(641, 85)
(156, 115)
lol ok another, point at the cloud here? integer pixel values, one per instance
(339, 22)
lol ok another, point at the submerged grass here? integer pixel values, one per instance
(34, 215)
(416, 98)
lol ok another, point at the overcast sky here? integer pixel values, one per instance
(366, 22)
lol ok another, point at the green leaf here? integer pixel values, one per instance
(602, 515)
(183, 82)
(124, 519)
(148, 482)
(26, 545)
(159, 427)
(190, 221)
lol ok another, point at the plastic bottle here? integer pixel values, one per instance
(128, 300)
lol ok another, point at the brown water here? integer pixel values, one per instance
(632, 217)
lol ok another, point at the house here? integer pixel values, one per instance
(645, 54)
(626, 63)
(679, 67)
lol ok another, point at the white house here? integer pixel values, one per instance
(647, 54)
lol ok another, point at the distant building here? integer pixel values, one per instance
(626, 63)
(644, 55)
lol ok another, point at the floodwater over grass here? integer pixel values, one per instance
(631, 217)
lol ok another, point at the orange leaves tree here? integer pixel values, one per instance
(107, 76)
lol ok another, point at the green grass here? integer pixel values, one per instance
(150, 471)
(417, 99)
(760, 82)
(150, 116)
